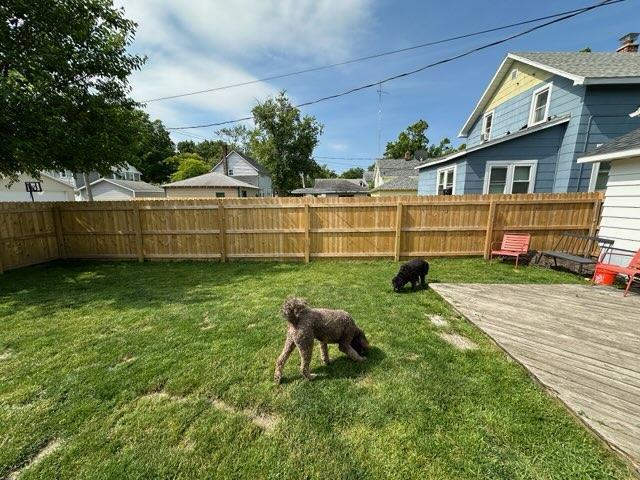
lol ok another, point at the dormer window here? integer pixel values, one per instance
(487, 123)
(540, 105)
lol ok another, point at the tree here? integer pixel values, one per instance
(209, 150)
(154, 145)
(188, 165)
(354, 172)
(283, 141)
(237, 137)
(63, 86)
(413, 138)
(323, 171)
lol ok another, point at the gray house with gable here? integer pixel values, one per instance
(539, 113)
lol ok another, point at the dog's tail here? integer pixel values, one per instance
(292, 308)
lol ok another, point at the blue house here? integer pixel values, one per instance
(539, 113)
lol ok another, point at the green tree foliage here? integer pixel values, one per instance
(210, 150)
(354, 172)
(187, 165)
(284, 142)
(63, 86)
(413, 138)
(237, 137)
(154, 145)
(323, 171)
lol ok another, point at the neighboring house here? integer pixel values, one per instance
(334, 187)
(367, 178)
(53, 189)
(245, 169)
(386, 169)
(620, 220)
(115, 189)
(539, 113)
(128, 172)
(397, 186)
(211, 184)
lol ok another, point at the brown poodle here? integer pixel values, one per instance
(328, 326)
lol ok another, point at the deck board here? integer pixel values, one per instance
(581, 342)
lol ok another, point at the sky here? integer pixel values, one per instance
(203, 44)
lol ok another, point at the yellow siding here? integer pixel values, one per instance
(527, 77)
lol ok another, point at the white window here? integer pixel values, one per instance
(230, 171)
(514, 73)
(487, 123)
(540, 105)
(510, 177)
(446, 181)
(599, 176)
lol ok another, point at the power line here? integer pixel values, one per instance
(417, 70)
(370, 57)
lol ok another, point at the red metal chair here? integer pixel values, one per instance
(512, 245)
(630, 270)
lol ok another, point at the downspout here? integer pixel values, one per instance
(584, 150)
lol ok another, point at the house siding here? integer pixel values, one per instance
(621, 213)
(245, 172)
(608, 107)
(541, 146)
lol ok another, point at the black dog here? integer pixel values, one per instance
(413, 271)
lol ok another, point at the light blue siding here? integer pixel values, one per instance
(597, 114)
(427, 179)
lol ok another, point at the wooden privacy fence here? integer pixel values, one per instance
(286, 228)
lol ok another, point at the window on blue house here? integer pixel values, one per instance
(510, 177)
(540, 105)
(487, 123)
(446, 180)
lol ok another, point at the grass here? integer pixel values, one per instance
(125, 370)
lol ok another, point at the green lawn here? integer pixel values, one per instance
(162, 370)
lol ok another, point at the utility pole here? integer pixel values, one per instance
(380, 93)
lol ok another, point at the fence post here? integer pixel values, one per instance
(596, 217)
(307, 226)
(221, 234)
(489, 236)
(57, 222)
(396, 255)
(138, 229)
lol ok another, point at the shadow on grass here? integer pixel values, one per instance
(130, 285)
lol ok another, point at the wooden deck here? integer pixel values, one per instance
(581, 342)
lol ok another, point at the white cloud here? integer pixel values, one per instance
(197, 45)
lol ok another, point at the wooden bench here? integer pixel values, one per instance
(578, 249)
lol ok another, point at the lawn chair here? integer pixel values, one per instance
(630, 270)
(512, 245)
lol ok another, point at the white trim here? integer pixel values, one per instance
(56, 179)
(635, 114)
(484, 125)
(633, 152)
(593, 179)
(610, 80)
(520, 133)
(513, 74)
(474, 113)
(453, 167)
(534, 96)
(577, 79)
(505, 67)
(510, 164)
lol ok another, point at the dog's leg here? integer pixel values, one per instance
(289, 345)
(306, 351)
(413, 284)
(348, 350)
(324, 351)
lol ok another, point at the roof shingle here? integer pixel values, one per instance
(589, 64)
(211, 179)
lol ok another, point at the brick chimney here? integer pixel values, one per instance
(407, 155)
(628, 43)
